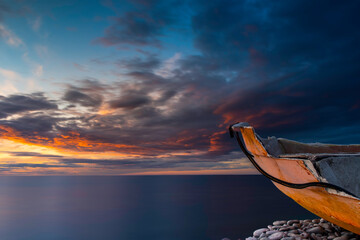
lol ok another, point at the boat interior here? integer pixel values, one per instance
(335, 164)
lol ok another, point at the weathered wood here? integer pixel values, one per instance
(332, 205)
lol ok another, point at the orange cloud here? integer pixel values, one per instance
(249, 171)
(256, 116)
(70, 141)
(216, 142)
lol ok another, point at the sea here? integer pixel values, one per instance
(140, 207)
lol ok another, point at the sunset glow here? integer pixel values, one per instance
(150, 87)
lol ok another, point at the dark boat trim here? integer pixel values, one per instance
(279, 181)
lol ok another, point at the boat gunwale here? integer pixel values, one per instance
(336, 190)
(334, 213)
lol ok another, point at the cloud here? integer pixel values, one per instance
(8, 167)
(4, 9)
(35, 125)
(130, 101)
(80, 67)
(89, 85)
(169, 66)
(41, 50)
(36, 23)
(139, 64)
(74, 96)
(12, 82)
(39, 131)
(287, 73)
(87, 93)
(38, 70)
(33, 154)
(158, 119)
(9, 78)
(141, 27)
(269, 67)
(229, 161)
(20, 103)
(10, 37)
(232, 161)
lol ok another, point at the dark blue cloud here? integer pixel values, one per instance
(137, 63)
(141, 26)
(7, 167)
(4, 9)
(290, 68)
(24, 103)
(74, 96)
(294, 65)
(33, 154)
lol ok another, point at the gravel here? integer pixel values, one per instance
(315, 229)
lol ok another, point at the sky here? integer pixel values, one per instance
(150, 87)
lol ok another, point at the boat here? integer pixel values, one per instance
(322, 178)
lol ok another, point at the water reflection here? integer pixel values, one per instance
(147, 207)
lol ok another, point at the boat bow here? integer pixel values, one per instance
(302, 176)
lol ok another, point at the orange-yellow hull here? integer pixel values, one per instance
(342, 210)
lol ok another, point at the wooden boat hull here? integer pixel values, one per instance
(341, 209)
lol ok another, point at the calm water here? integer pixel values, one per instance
(145, 207)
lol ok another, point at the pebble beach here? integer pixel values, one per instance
(316, 229)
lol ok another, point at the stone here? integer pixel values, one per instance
(268, 233)
(304, 235)
(317, 229)
(284, 229)
(276, 236)
(291, 222)
(277, 227)
(278, 223)
(313, 236)
(292, 234)
(349, 234)
(324, 225)
(296, 225)
(258, 232)
(343, 237)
